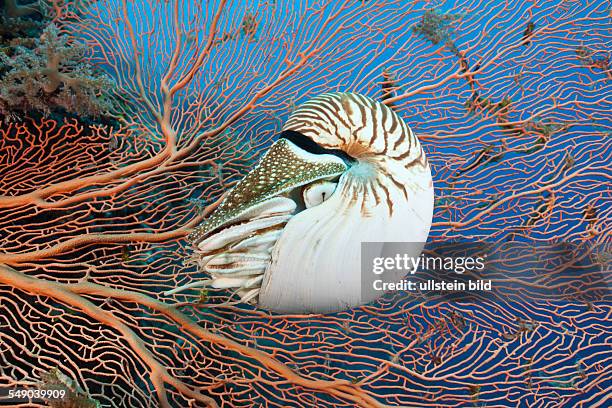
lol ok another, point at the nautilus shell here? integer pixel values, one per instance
(345, 170)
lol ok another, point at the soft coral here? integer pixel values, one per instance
(51, 74)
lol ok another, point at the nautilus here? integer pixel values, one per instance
(345, 169)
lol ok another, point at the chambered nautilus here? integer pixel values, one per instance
(345, 170)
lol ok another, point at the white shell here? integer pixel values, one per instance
(327, 274)
(385, 196)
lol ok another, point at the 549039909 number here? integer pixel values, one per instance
(16, 395)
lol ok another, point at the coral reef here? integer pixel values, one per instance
(93, 218)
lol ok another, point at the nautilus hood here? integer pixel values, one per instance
(282, 168)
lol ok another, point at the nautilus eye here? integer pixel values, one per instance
(316, 193)
(345, 170)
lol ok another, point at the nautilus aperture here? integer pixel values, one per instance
(345, 170)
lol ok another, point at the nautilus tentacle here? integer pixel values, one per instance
(345, 170)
